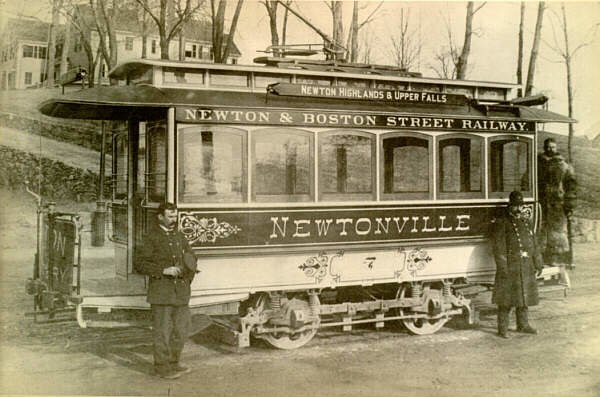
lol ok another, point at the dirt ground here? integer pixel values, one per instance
(58, 358)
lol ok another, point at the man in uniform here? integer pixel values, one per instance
(170, 263)
(517, 259)
(557, 194)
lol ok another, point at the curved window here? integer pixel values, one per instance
(156, 177)
(212, 164)
(346, 169)
(510, 165)
(281, 161)
(460, 163)
(406, 167)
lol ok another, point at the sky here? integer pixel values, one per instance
(494, 45)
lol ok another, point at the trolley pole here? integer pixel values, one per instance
(99, 215)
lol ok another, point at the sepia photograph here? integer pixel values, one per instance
(299, 198)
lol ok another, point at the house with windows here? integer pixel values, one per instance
(196, 38)
(23, 52)
(24, 46)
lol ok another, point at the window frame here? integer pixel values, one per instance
(291, 198)
(243, 133)
(530, 164)
(430, 153)
(460, 195)
(149, 174)
(349, 197)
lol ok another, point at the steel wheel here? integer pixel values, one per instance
(285, 340)
(419, 326)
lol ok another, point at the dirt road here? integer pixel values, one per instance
(61, 359)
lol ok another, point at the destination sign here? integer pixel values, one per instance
(348, 119)
(277, 227)
(363, 93)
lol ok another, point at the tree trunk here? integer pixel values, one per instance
(232, 28)
(218, 20)
(354, 34)
(52, 44)
(463, 59)
(271, 6)
(520, 52)
(64, 59)
(338, 29)
(569, 83)
(534, 49)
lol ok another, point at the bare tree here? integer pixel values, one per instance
(566, 53)
(520, 51)
(355, 26)
(535, 48)
(463, 59)
(335, 6)
(56, 5)
(271, 6)
(169, 24)
(405, 47)
(446, 58)
(104, 19)
(221, 50)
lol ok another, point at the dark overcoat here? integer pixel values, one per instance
(557, 189)
(517, 260)
(162, 249)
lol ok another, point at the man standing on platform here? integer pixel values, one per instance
(557, 193)
(166, 257)
(517, 260)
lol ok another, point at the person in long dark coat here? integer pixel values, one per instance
(557, 188)
(517, 261)
(166, 257)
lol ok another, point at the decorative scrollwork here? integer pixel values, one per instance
(416, 260)
(316, 266)
(203, 230)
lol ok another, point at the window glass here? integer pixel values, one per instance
(119, 176)
(313, 80)
(406, 166)
(228, 79)
(27, 51)
(183, 76)
(510, 167)
(212, 165)
(353, 83)
(261, 81)
(129, 43)
(345, 166)
(156, 181)
(460, 165)
(282, 165)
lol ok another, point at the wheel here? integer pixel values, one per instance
(286, 340)
(419, 326)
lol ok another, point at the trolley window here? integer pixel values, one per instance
(510, 165)
(346, 165)
(120, 155)
(281, 165)
(184, 76)
(460, 160)
(156, 177)
(407, 167)
(212, 164)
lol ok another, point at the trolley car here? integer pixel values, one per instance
(315, 193)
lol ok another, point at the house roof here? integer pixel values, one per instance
(26, 28)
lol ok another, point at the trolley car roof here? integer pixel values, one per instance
(123, 102)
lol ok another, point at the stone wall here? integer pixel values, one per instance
(59, 182)
(84, 133)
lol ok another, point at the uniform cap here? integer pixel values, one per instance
(515, 198)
